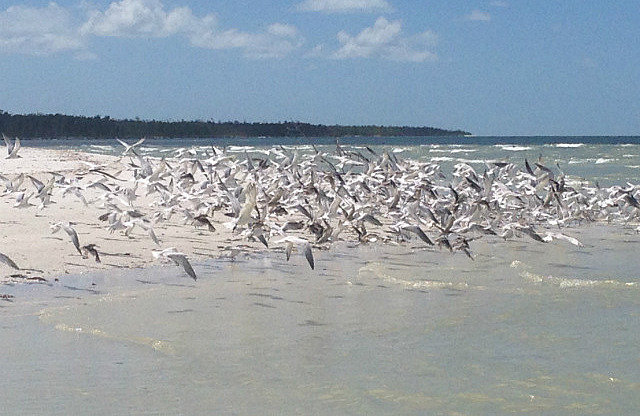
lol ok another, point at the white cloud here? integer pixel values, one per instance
(38, 31)
(276, 41)
(143, 18)
(148, 18)
(344, 6)
(385, 40)
(478, 16)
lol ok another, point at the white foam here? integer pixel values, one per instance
(237, 149)
(375, 269)
(569, 145)
(565, 282)
(513, 147)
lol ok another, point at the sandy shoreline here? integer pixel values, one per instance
(27, 237)
(129, 206)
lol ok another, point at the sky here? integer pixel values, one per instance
(505, 67)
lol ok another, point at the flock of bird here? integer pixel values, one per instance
(306, 200)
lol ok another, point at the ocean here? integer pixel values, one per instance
(395, 329)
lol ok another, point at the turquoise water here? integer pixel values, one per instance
(607, 160)
(525, 328)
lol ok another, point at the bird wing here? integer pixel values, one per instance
(16, 147)
(139, 142)
(153, 236)
(6, 260)
(531, 233)
(74, 236)
(309, 255)
(38, 184)
(181, 260)
(417, 230)
(560, 236)
(8, 143)
(288, 249)
(244, 216)
(126, 145)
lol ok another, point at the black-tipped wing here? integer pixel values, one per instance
(181, 260)
(417, 230)
(309, 255)
(74, 237)
(6, 260)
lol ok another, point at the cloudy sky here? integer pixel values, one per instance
(513, 67)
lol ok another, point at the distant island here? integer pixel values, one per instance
(45, 126)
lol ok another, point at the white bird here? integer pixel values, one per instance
(559, 236)
(12, 148)
(22, 200)
(244, 217)
(70, 231)
(128, 148)
(180, 259)
(300, 242)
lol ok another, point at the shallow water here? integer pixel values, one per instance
(525, 328)
(607, 160)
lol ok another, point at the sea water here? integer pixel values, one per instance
(525, 328)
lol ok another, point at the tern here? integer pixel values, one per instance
(300, 242)
(130, 148)
(91, 249)
(70, 231)
(12, 148)
(180, 259)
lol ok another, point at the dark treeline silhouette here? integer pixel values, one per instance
(60, 125)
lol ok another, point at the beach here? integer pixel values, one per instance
(27, 236)
(378, 326)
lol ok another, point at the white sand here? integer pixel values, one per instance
(26, 236)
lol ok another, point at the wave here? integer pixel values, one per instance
(376, 271)
(458, 150)
(238, 149)
(52, 316)
(400, 149)
(565, 282)
(513, 147)
(569, 145)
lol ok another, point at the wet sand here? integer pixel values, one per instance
(375, 329)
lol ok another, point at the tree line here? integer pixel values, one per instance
(60, 126)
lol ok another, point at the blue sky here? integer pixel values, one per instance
(509, 67)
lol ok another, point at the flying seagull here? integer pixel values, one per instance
(130, 147)
(91, 249)
(70, 231)
(300, 242)
(180, 259)
(12, 148)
